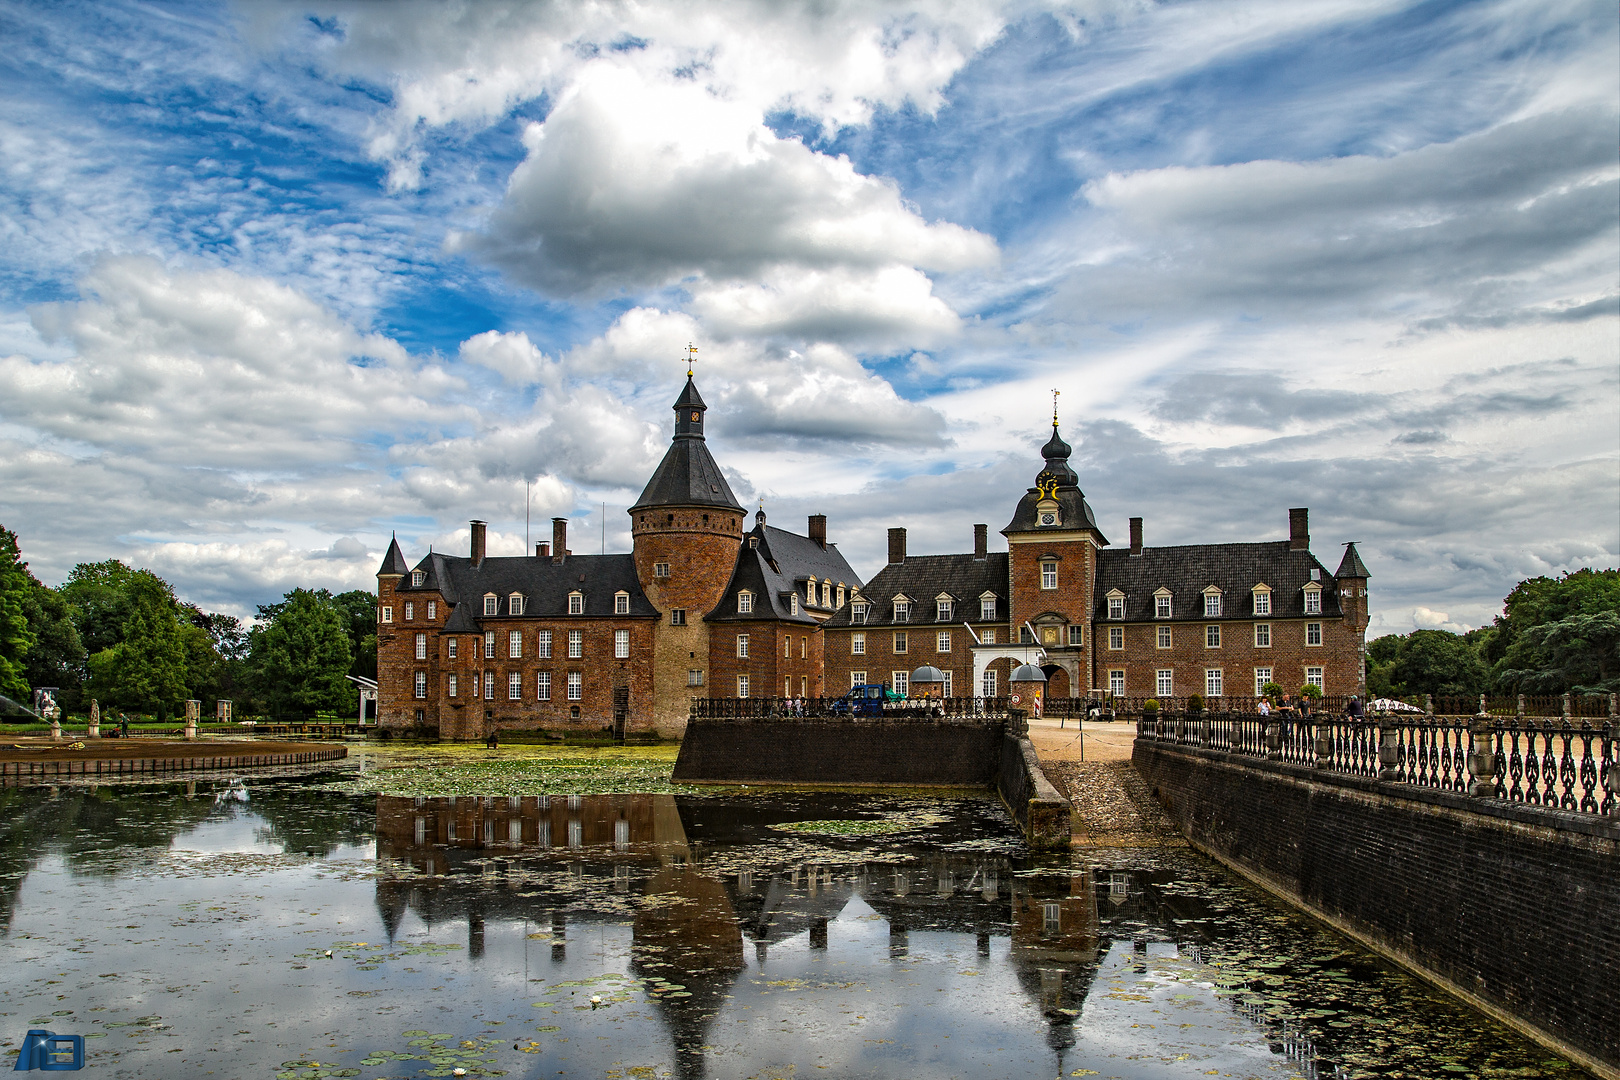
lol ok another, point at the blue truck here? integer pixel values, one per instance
(868, 700)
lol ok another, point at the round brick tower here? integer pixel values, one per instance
(687, 528)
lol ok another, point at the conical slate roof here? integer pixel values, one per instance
(394, 562)
(688, 475)
(1351, 565)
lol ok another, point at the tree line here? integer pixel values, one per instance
(1554, 636)
(119, 635)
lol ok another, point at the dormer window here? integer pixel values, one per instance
(745, 603)
(1262, 600)
(810, 592)
(902, 611)
(621, 603)
(793, 604)
(492, 604)
(943, 609)
(417, 577)
(1161, 604)
(840, 596)
(857, 611)
(1313, 599)
(576, 603)
(1212, 603)
(514, 604)
(987, 608)
(1116, 604)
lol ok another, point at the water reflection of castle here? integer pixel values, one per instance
(575, 859)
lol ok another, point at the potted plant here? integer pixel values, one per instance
(1195, 703)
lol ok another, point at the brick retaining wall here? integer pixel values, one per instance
(1512, 907)
(834, 752)
(20, 772)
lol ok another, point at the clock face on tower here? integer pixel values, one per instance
(694, 418)
(1046, 486)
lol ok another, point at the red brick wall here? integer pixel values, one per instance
(766, 665)
(1073, 598)
(1339, 656)
(922, 647)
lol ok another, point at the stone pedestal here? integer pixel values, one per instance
(95, 719)
(193, 712)
(1389, 753)
(1482, 758)
(1324, 744)
(56, 729)
(1274, 741)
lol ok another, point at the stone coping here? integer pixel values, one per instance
(128, 757)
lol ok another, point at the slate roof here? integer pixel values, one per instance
(1234, 568)
(688, 475)
(543, 584)
(923, 578)
(394, 561)
(1073, 510)
(778, 565)
(1351, 565)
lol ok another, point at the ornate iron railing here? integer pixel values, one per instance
(1567, 761)
(791, 709)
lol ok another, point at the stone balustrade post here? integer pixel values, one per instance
(1567, 711)
(1274, 741)
(1389, 751)
(1482, 758)
(1324, 743)
(56, 729)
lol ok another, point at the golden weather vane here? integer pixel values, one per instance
(691, 358)
(1055, 394)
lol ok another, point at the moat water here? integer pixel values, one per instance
(277, 928)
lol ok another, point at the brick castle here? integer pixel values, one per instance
(704, 607)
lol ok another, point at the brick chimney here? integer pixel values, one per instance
(1299, 529)
(542, 550)
(897, 546)
(981, 543)
(559, 539)
(818, 530)
(1136, 536)
(477, 543)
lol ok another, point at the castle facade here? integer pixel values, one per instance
(704, 606)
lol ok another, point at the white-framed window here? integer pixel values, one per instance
(1262, 675)
(857, 611)
(694, 677)
(385, 613)
(410, 610)
(1313, 677)
(421, 646)
(1161, 606)
(542, 686)
(1076, 634)
(475, 683)
(1212, 605)
(1116, 607)
(787, 686)
(901, 681)
(946, 689)
(661, 569)
(1262, 635)
(745, 605)
(1313, 600)
(901, 642)
(1313, 633)
(804, 648)
(1048, 574)
(576, 686)
(542, 645)
(417, 577)
(840, 596)
(826, 594)
(857, 678)
(576, 644)
(742, 651)
(793, 603)
(1262, 601)
(450, 648)
(1026, 636)
(902, 611)
(787, 647)
(621, 603)
(514, 644)
(492, 604)
(988, 683)
(576, 603)
(514, 686)
(943, 611)
(857, 643)
(987, 637)
(1116, 682)
(1164, 682)
(419, 684)
(489, 686)
(742, 686)
(1212, 636)
(514, 604)
(1116, 637)
(1164, 637)
(1212, 682)
(489, 644)
(987, 608)
(621, 644)
(943, 642)
(433, 610)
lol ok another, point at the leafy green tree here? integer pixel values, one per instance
(57, 656)
(16, 639)
(1555, 635)
(1437, 662)
(300, 654)
(147, 668)
(359, 609)
(100, 596)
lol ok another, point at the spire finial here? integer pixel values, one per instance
(691, 358)
(1055, 394)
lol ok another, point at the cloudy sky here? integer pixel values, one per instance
(277, 280)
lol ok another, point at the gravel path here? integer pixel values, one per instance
(1112, 805)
